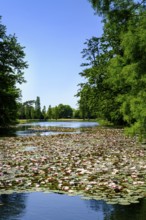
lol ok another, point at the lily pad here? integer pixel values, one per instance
(99, 163)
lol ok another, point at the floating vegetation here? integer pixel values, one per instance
(100, 164)
(51, 128)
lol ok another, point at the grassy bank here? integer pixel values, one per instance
(23, 121)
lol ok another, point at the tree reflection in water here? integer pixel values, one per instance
(119, 212)
(12, 206)
(34, 206)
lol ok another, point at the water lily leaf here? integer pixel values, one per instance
(112, 202)
(95, 164)
(124, 203)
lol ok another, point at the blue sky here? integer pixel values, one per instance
(53, 33)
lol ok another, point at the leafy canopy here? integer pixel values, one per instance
(115, 67)
(12, 65)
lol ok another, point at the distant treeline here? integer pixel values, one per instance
(32, 110)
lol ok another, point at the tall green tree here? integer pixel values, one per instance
(44, 113)
(21, 111)
(105, 7)
(12, 65)
(49, 112)
(37, 108)
(26, 110)
(86, 108)
(55, 113)
(129, 72)
(115, 69)
(65, 111)
(97, 97)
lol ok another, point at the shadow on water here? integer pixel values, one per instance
(52, 206)
(119, 212)
(8, 132)
(12, 206)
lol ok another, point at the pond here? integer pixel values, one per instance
(23, 129)
(52, 206)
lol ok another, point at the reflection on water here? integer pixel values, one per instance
(22, 130)
(66, 124)
(12, 206)
(119, 212)
(45, 206)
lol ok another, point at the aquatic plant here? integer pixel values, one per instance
(100, 164)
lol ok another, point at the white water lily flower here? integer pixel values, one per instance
(81, 171)
(114, 171)
(65, 188)
(112, 185)
(133, 168)
(71, 182)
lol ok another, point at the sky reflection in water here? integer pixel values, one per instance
(52, 206)
(22, 130)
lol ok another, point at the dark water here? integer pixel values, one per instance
(44, 206)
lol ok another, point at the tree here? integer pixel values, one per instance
(26, 110)
(21, 111)
(12, 65)
(106, 7)
(76, 113)
(115, 78)
(55, 113)
(37, 108)
(97, 97)
(128, 72)
(49, 112)
(85, 100)
(44, 113)
(32, 113)
(65, 111)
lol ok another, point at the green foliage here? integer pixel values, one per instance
(65, 111)
(49, 112)
(12, 65)
(44, 113)
(60, 111)
(107, 7)
(132, 75)
(55, 113)
(76, 113)
(26, 110)
(32, 110)
(97, 96)
(37, 108)
(114, 89)
(86, 103)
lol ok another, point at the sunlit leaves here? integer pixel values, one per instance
(116, 80)
(12, 65)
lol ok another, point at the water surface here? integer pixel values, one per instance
(52, 206)
(22, 129)
(44, 206)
